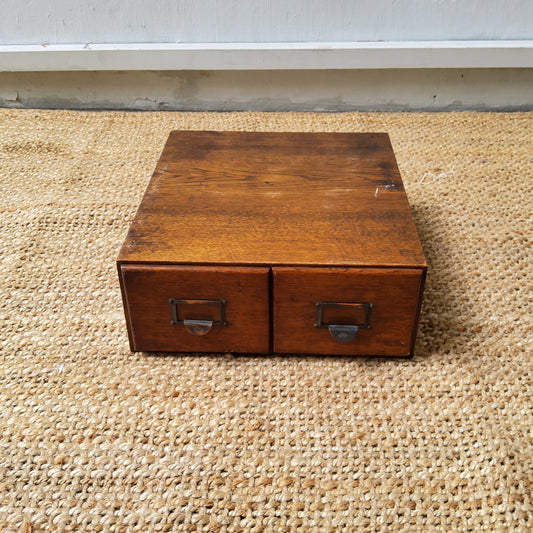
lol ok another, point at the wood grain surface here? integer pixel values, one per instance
(239, 198)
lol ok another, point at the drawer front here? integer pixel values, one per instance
(196, 309)
(346, 311)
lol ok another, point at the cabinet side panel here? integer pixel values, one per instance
(126, 307)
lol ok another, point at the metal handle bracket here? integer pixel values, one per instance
(198, 326)
(360, 313)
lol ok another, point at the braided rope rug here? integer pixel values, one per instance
(95, 438)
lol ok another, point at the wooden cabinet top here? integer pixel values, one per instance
(295, 199)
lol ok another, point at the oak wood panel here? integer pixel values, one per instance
(275, 199)
(394, 294)
(148, 288)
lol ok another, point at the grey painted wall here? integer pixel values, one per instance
(81, 22)
(339, 90)
(123, 21)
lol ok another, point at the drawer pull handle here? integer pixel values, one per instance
(181, 311)
(356, 313)
(343, 333)
(198, 327)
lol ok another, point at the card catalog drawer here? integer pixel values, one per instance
(196, 309)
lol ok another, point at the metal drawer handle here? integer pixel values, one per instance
(345, 332)
(198, 326)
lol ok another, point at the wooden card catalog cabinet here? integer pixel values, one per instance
(274, 243)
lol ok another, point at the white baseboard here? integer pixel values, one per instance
(267, 56)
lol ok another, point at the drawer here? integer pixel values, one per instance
(196, 309)
(366, 311)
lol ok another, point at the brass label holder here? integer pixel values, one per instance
(197, 326)
(345, 332)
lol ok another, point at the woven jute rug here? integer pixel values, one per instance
(95, 438)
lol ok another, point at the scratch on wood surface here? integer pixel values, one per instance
(387, 186)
